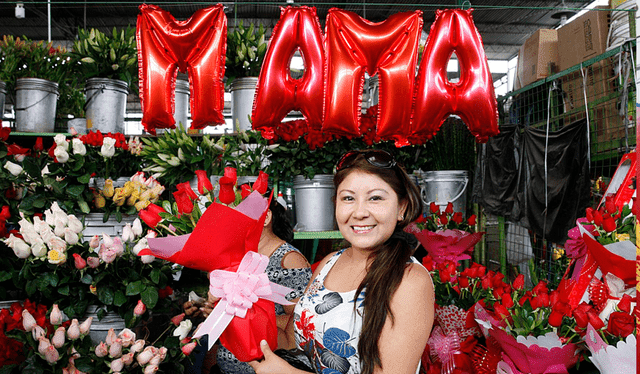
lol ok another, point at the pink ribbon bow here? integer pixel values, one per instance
(444, 346)
(238, 291)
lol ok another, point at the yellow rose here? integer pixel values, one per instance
(99, 201)
(131, 200)
(108, 190)
(120, 196)
(622, 237)
(142, 204)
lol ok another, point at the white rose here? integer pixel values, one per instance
(60, 218)
(70, 236)
(39, 249)
(45, 170)
(137, 227)
(20, 248)
(75, 224)
(58, 229)
(127, 233)
(61, 155)
(78, 147)
(55, 207)
(61, 141)
(108, 147)
(140, 245)
(128, 337)
(47, 235)
(183, 329)
(14, 169)
(147, 259)
(56, 243)
(39, 224)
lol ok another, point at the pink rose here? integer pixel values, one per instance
(139, 309)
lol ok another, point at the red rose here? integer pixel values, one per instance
(500, 310)
(245, 191)
(457, 217)
(226, 195)
(472, 220)
(204, 183)
(38, 146)
(589, 214)
(434, 208)
(507, 300)
(597, 217)
(609, 205)
(608, 223)
(555, 318)
(621, 324)
(4, 133)
(595, 320)
(231, 173)
(428, 263)
(443, 219)
(186, 188)
(625, 303)
(261, 183)
(151, 215)
(184, 203)
(518, 283)
(449, 208)
(463, 282)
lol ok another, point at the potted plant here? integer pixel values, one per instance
(246, 48)
(109, 64)
(33, 70)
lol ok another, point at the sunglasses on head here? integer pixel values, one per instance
(376, 157)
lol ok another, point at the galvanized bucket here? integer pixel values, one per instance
(100, 328)
(181, 102)
(3, 95)
(36, 101)
(106, 104)
(78, 125)
(444, 186)
(315, 210)
(243, 91)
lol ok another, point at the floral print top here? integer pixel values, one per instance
(326, 327)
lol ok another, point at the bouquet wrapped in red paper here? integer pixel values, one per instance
(224, 243)
(445, 235)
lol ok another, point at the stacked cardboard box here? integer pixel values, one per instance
(583, 38)
(538, 57)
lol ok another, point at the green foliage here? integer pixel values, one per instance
(246, 48)
(452, 148)
(99, 55)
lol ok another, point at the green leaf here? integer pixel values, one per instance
(86, 279)
(150, 297)
(64, 290)
(106, 295)
(75, 191)
(155, 276)
(5, 275)
(134, 288)
(119, 299)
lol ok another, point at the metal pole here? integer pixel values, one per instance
(49, 20)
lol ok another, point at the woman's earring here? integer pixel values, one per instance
(400, 218)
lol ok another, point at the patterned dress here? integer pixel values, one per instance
(296, 279)
(326, 327)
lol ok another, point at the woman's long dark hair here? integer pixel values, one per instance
(389, 261)
(280, 224)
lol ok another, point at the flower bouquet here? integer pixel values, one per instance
(445, 235)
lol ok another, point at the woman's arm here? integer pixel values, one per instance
(404, 337)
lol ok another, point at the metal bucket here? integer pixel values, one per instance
(100, 328)
(106, 104)
(3, 95)
(78, 125)
(315, 210)
(446, 186)
(181, 102)
(242, 92)
(36, 101)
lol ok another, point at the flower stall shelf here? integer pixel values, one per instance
(109, 65)
(246, 48)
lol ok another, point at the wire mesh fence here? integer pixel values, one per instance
(600, 92)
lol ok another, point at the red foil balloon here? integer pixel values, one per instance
(473, 97)
(277, 93)
(196, 46)
(390, 49)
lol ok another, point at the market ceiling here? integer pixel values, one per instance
(503, 24)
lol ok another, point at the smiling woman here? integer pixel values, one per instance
(338, 324)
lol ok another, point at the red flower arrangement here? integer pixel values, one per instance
(11, 350)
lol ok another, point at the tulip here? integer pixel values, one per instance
(108, 147)
(51, 354)
(93, 262)
(115, 349)
(78, 147)
(43, 345)
(73, 331)
(139, 309)
(101, 349)
(38, 332)
(28, 322)
(188, 348)
(183, 329)
(79, 262)
(61, 155)
(14, 169)
(56, 315)
(58, 337)
(86, 326)
(204, 182)
(116, 365)
(144, 356)
(137, 227)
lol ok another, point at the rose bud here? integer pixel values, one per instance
(137, 346)
(115, 349)
(139, 309)
(51, 354)
(56, 315)
(188, 348)
(150, 369)
(144, 356)
(73, 331)
(101, 349)
(79, 262)
(625, 304)
(43, 345)
(37, 332)
(93, 262)
(28, 322)
(86, 326)
(116, 365)
(177, 319)
(58, 337)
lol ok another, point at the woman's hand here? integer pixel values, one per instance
(272, 364)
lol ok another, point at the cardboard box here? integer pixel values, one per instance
(583, 38)
(599, 80)
(538, 57)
